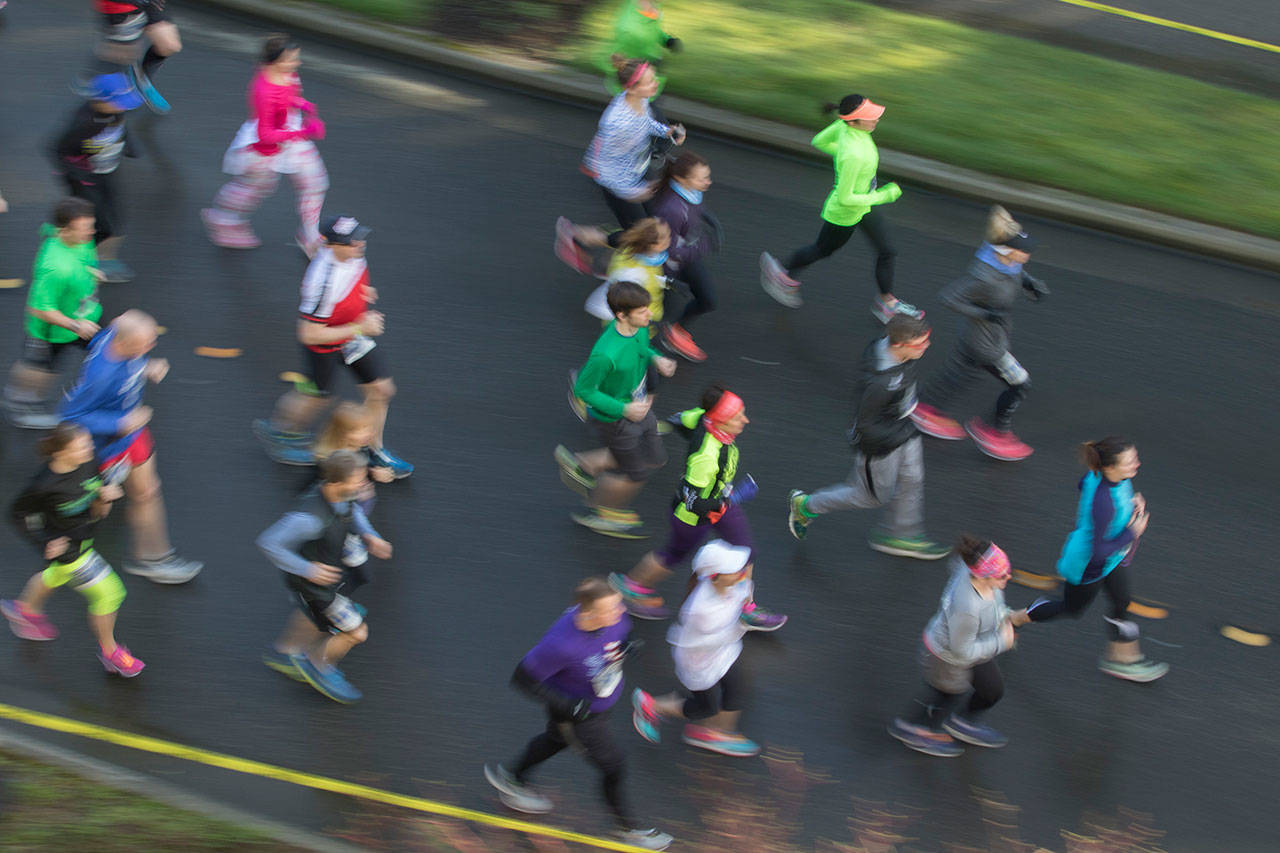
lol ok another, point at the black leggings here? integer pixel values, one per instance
(593, 738)
(727, 694)
(959, 372)
(934, 706)
(627, 212)
(695, 274)
(833, 237)
(1077, 598)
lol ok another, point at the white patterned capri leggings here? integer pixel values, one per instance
(243, 194)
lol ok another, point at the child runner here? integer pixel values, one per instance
(307, 546)
(888, 454)
(706, 645)
(1110, 519)
(985, 295)
(641, 258)
(57, 511)
(694, 235)
(62, 312)
(278, 139)
(575, 670)
(123, 26)
(852, 203)
(614, 383)
(961, 642)
(707, 499)
(350, 427)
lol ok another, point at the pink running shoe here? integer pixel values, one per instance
(714, 740)
(932, 422)
(228, 236)
(997, 444)
(121, 662)
(567, 248)
(27, 625)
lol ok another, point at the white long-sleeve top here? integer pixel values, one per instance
(708, 638)
(618, 157)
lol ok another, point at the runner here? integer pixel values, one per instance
(638, 34)
(575, 670)
(307, 544)
(350, 427)
(888, 454)
(62, 312)
(278, 139)
(616, 386)
(56, 512)
(336, 327)
(641, 257)
(618, 157)
(107, 401)
(87, 154)
(123, 26)
(707, 499)
(1110, 520)
(853, 202)
(706, 645)
(695, 233)
(985, 295)
(961, 642)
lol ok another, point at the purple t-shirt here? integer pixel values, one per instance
(581, 664)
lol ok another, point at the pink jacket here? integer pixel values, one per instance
(271, 104)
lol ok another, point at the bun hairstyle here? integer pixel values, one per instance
(275, 46)
(847, 104)
(639, 237)
(971, 549)
(1103, 453)
(682, 166)
(57, 440)
(1001, 226)
(711, 396)
(626, 68)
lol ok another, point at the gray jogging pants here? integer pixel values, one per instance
(895, 481)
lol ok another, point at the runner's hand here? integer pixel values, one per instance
(85, 329)
(379, 548)
(1139, 503)
(56, 547)
(135, 420)
(110, 493)
(1139, 523)
(666, 366)
(636, 410)
(157, 369)
(313, 128)
(324, 574)
(371, 323)
(370, 294)
(1007, 636)
(678, 134)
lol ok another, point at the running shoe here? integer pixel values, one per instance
(884, 312)
(756, 618)
(283, 664)
(25, 624)
(353, 551)
(154, 100)
(115, 271)
(1141, 670)
(568, 250)
(572, 473)
(618, 523)
(916, 547)
(925, 740)
(679, 341)
(998, 444)
(646, 839)
(973, 733)
(641, 602)
(797, 522)
(514, 794)
(30, 416)
(576, 403)
(714, 740)
(291, 453)
(331, 682)
(170, 569)
(121, 662)
(776, 282)
(932, 422)
(381, 457)
(644, 716)
(228, 235)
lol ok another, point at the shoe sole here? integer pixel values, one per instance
(943, 436)
(706, 747)
(115, 670)
(508, 798)
(912, 745)
(960, 736)
(782, 297)
(516, 805)
(793, 516)
(986, 450)
(1143, 679)
(15, 625)
(285, 669)
(903, 552)
(572, 475)
(586, 521)
(766, 630)
(637, 718)
(154, 577)
(325, 693)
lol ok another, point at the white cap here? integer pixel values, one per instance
(718, 557)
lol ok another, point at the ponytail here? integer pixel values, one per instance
(1096, 455)
(276, 46)
(681, 166)
(639, 237)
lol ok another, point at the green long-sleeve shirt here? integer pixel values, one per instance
(614, 374)
(856, 160)
(635, 36)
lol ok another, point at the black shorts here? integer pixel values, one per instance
(727, 694)
(43, 354)
(323, 366)
(636, 446)
(326, 606)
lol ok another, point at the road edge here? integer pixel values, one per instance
(115, 776)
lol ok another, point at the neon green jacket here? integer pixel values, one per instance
(635, 36)
(856, 161)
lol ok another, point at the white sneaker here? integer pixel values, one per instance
(354, 553)
(776, 282)
(516, 796)
(170, 569)
(648, 839)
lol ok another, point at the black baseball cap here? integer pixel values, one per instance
(343, 230)
(1021, 241)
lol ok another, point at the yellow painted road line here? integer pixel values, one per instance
(1173, 25)
(295, 777)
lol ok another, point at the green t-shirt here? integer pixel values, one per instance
(614, 374)
(61, 281)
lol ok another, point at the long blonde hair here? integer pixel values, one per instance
(347, 417)
(1001, 226)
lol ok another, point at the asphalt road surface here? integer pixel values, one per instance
(462, 183)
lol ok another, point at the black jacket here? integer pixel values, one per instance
(885, 397)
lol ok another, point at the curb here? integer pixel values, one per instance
(548, 79)
(114, 776)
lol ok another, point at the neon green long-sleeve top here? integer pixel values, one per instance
(635, 36)
(856, 161)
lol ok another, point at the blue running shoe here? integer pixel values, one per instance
(282, 664)
(925, 740)
(973, 733)
(645, 716)
(380, 457)
(154, 99)
(331, 683)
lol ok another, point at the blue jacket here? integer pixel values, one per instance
(1102, 537)
(106, 390)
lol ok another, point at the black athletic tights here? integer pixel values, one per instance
(933, 706)
(593, 738)
(832, 237)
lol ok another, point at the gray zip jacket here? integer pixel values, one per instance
(966, 629)
(985, 296)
